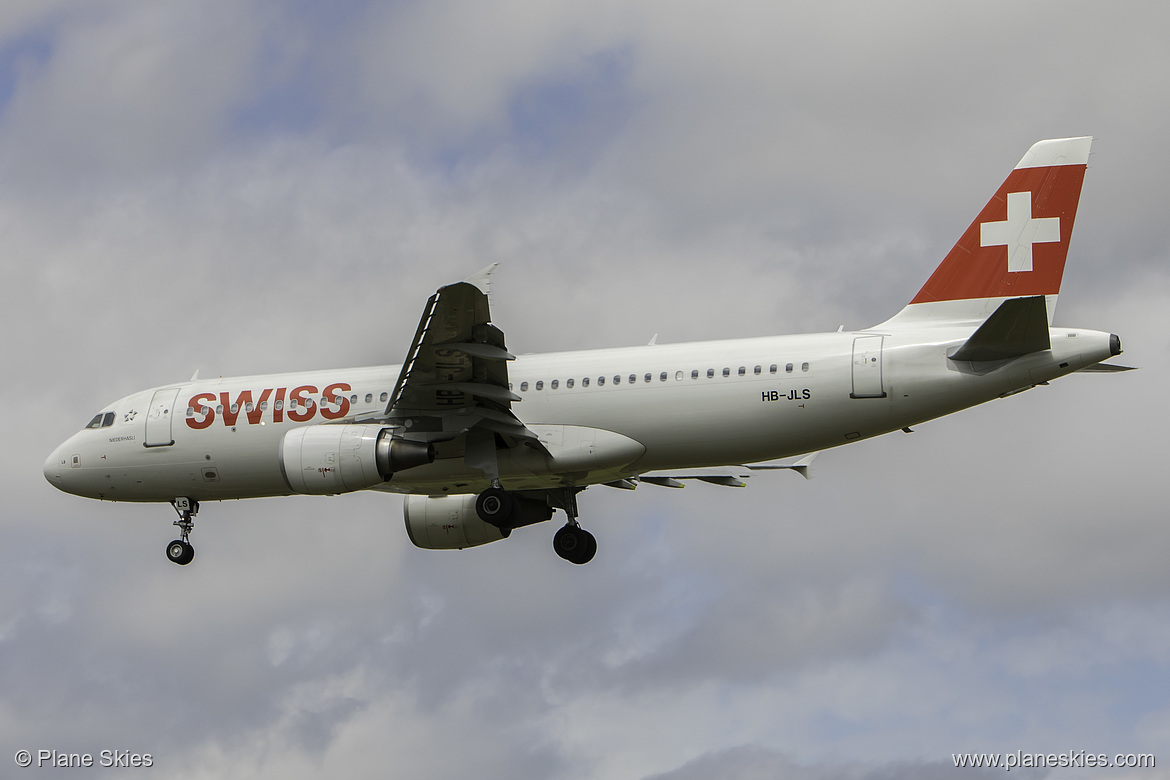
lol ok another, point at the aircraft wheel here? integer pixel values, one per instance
(180, 552)
(495, 505)
(575, 544)
(590, 548)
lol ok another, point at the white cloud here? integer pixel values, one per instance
(994, 578)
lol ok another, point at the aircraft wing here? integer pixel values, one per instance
(454, 382)
(728, 476)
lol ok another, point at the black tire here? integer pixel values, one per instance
(495, 506)
(180, 552)
(589, 550)
(575, 544)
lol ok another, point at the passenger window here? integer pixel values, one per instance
(772, 369)
(264, 406)
(235, 408)
(726, 372)
(352, 399)
(585, 382)
(757, 370)
(788, 368)
(554, 384)
(540, 384)
(662, 377)
(569, 383)
(190, 411)
(710, 373)
(383, 397)
(248, 407)
(678, 375)
(370, 398)
(523, 387)
(617, 380)
(96, 422)
(646, 378)
(279, 405)
(695, 374)
(632, 378)
(804, 366)
(600, 381)
(742, 370)
(219, 408)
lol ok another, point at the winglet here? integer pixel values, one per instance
(802, 466)
(482, 279)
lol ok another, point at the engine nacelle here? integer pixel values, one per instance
(329, 459)
(451, 522)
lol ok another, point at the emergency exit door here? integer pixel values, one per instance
(158, 418)
(867, 367)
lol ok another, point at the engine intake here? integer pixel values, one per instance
(330, 459)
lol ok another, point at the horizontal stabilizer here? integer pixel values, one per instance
(1018, 327)
(1106, 368)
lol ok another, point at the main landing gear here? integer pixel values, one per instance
(572, 542)
(180, 550)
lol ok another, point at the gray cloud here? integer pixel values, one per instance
(993, 581)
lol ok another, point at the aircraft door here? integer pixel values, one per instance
(867, 367)
(159, 417)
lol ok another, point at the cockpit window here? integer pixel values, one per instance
(102, 420)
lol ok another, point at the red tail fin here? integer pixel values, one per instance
(1018, 244)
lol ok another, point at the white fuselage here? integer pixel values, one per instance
(682, 405)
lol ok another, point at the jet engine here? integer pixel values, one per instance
(451, 522)
(329, 459)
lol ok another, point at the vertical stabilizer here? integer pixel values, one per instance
(1018, 243)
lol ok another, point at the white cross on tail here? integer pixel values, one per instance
(1019, 231)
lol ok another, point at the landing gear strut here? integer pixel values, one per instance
(507, 511)
(572, 542)
(180, 550)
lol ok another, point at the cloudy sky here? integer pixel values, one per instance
(244, 187)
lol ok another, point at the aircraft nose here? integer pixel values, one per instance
(53, 466)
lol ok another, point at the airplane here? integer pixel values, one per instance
(482, 442)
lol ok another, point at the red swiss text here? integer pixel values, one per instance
(250, 406)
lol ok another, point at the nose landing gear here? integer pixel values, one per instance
(180, 550)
